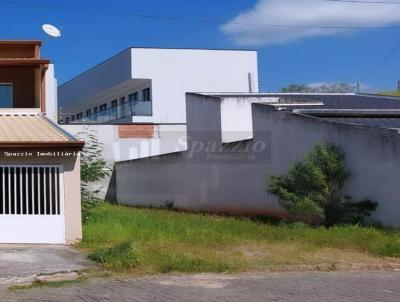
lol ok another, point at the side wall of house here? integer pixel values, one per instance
(231, 177)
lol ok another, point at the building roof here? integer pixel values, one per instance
(347, 108)
(20, 42)
(356, 109)
(347, 101)
(381, 122)
(23, 61)
(17, 130)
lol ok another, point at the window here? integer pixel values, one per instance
(114, 103)
(122, 100)
(6, 95)
(89, 112)
(95, 110)
(146, 94)
(72, 118)
(67, 120)
(103, 107)
(133, 97)
(79, 116)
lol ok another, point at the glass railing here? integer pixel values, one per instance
(118, 113)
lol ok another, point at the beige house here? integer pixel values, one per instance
(39, 162)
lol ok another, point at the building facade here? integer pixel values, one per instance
(39, 161)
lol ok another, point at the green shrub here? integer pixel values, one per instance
(311, 189)
(121, 256)
(93, 166)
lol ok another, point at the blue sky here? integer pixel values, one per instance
(286, 55)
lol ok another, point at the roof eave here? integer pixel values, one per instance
(75, 144)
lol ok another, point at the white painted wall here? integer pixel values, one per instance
(167, 139)
(172, 72)
(176, 71)
(237, 117)
(51, 93)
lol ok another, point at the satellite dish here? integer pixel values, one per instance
(51, 30)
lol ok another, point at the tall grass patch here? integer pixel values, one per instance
(150, 240)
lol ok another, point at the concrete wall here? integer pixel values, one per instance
(166, 139)
(231, 177)
(203, 177)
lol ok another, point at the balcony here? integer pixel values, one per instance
(117, 114)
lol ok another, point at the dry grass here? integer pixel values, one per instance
(159, 241)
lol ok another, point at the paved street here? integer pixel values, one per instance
(296, 287)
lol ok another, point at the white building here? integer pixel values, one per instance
(148, 85)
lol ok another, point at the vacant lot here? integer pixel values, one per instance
(154, 241)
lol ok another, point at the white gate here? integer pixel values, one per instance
(31, 204)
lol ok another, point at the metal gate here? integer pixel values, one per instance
(31, 204)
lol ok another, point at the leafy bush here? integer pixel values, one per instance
(311, 189)
(93, 166)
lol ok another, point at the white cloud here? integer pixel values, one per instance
(302, 14)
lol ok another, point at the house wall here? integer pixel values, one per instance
(72, 193)
(232, 178)
(51, 93)
(23, 80)
(18, 51)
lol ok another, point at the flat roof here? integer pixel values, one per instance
(149, 47)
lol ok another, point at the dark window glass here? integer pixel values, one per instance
(103, 107)
(72, 118)
(133, 97)
(95, 110)
(89, 112)
(146, 94)
(122, 100)
(67, 120)
(114, 103)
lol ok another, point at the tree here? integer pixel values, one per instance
(320, 88)
(93, 166)
(311, 190)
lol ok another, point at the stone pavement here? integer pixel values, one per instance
(248, 287)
